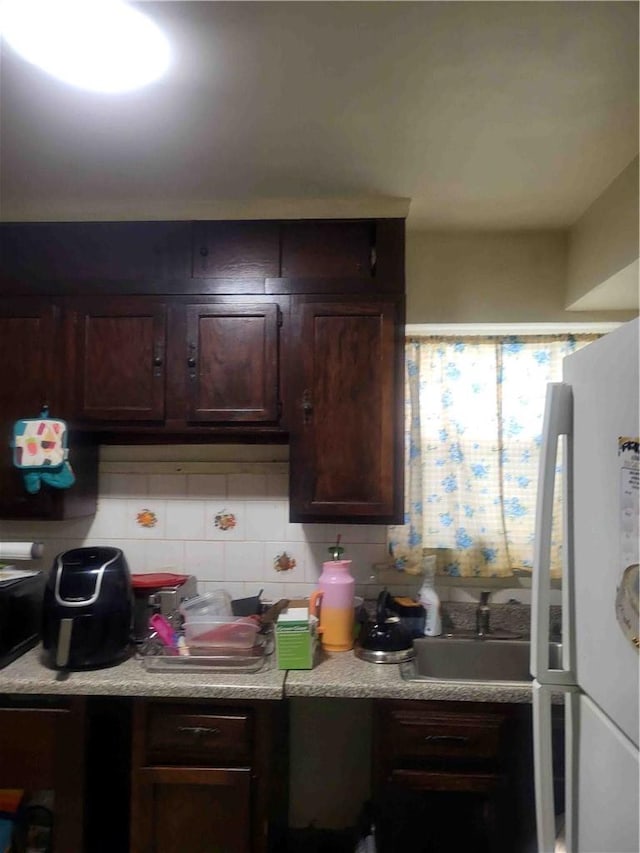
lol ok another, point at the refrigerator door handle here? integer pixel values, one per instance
(557, 423)
(543, 765)
(543, 769)
(571, 768)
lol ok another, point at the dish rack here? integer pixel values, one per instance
(156, 658)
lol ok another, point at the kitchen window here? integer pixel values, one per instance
(474, 407)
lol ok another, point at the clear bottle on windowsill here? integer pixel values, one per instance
(429, 598)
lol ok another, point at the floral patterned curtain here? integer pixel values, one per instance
(474, 412)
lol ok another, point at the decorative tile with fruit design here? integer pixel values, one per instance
(283, 562)
(146, 518)
(225, 520)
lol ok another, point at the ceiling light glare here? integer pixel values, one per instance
(100, 45)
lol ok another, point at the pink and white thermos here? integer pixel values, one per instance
(334, 602)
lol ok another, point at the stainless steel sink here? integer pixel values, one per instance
(465, 659)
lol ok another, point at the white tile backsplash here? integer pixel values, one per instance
(168, 485)
(207, 486)
(244, 561)
(161, 510)
(278, 486)
(185, 519)
(265, 520)
(205, 560)
(164, 555)
(123, 485)
(135, 550)
(110, 520)
(247, 486)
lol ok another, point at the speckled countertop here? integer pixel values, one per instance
(335, 675)
(28, 674)
(341, 674)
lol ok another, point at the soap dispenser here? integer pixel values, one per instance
(430, 599)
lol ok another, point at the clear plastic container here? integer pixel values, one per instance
(237, 633)
(210, 605)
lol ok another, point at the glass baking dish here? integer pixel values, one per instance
(163, 659)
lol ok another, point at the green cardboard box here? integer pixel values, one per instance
(296, 637)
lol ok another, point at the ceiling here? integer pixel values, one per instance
(485, 115)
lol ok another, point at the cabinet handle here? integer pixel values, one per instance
(199, 731)
(307, 406)
(452, 739)
(192, 351)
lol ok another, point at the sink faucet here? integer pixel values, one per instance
(483, 614)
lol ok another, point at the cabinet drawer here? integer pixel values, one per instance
(469, 782)
(427, 734)
(179, 734)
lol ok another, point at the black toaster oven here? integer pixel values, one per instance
(21, 596)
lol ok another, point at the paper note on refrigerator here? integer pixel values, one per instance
(628, 577)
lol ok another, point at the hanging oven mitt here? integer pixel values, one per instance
(40, 451)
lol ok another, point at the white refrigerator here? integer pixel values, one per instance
(593, 416)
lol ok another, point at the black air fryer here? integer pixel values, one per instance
(87, 612)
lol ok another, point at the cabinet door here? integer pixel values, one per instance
(202, 810)
(231, 360)
(346, 418)
(119, 359)
(31, 372)
(43, 748)
(236, 250)
(100, 251)
(328, 249)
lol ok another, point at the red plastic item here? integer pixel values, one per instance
(157, 579)
(239, 633)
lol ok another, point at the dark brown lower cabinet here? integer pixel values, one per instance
(202, 809)
(42, 747)
(447, 776)
(207, 777)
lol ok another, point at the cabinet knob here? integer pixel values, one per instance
(191, 362)
(157, 361)
(307, 406)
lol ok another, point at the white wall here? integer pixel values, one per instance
(491, 277)
(603, 244)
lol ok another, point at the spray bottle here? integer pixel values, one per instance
(429, 598)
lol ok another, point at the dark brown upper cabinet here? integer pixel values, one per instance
(94, 251)
(236, 250)
(173, 364)
(328, 249)
(346, 411)
(232, 362)
(118, 350)
(31, 356)
(270, 331)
